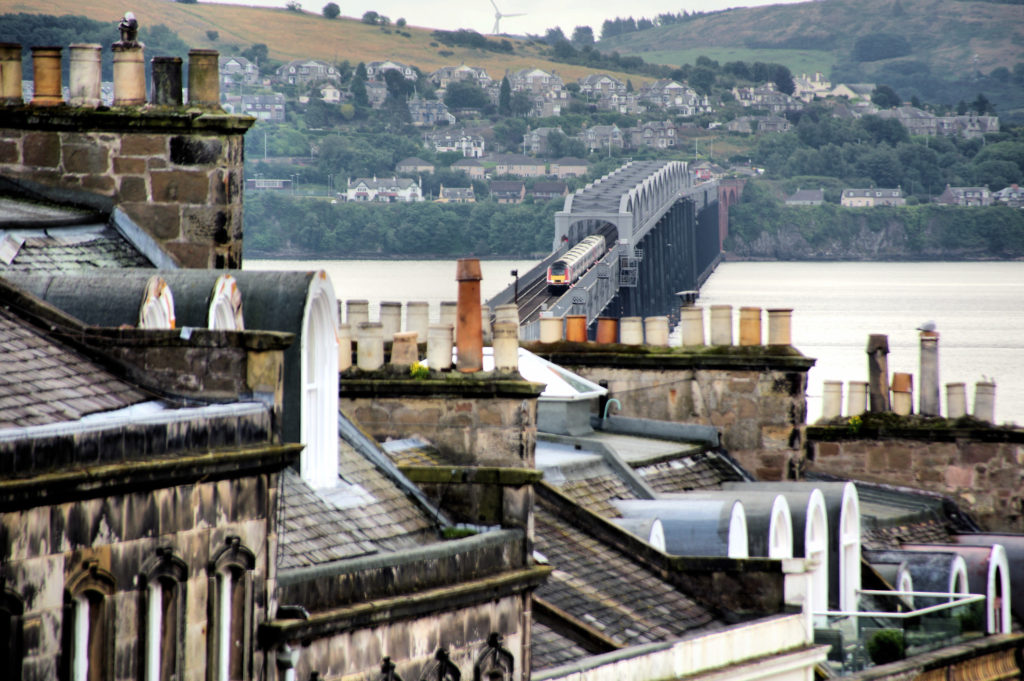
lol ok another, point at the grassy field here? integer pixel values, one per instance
(298, 35)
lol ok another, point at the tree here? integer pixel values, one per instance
(582, 35)
(331, 10)
(702, 79)
(361, 72)
(981, 104)
(213, 35)
(505, 98)
(521, 104)
(554, 35)
(400, 23)
(465, 94)
(885, 97)
(358, 90)
(371, 18)
(257, 53)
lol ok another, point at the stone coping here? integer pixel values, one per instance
(148, 119)
(455, 384)
(747, 357)
(402, 607)
(892, 427)
(103, 479)
(911, 667)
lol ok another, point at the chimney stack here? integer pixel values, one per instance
(469, 333)
(929, 404)
(878, 372)
(10, 74)
(47, 76)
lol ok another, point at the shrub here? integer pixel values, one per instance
(886, 645)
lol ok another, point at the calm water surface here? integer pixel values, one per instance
(978, 309)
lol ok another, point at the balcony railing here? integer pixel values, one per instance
(919, 621)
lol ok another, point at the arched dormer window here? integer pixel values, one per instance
(88, 637)
(441, 668)
(229, 613)
(11, 650)
(162, 604)
(319, 459)
(495, 663)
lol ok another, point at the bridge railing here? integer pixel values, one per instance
(594, 290)
(507, 295)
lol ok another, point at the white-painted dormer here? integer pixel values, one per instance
(319, 384)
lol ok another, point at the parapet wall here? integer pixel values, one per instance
(982, 468)
(177, 175)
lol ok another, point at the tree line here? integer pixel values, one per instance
(277, 223)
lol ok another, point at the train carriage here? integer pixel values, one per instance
(564, 272)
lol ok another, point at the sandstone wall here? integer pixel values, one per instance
(985, 477)
(177, 175)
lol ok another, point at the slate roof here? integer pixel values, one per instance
(549, 649)
(606, 589)
(43, 381)
(365, 513)
(703, 470)
(48, 239)
(583, 476)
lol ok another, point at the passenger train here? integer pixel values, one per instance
(564, 272)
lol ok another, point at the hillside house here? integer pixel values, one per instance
(517, 165)
(675, 96)
(807, 88)
(302, 71)
(536, 141)
(469, 144)
(654, 134)
(547, 190)
(414, 164)
(535, 81)
(507, 191)
(330, 94)
(853, 91)
(384, 190)
(473, 168)
(602, 138)
(429, 112)
(598, 86)
(375, 70)
(871, 197)
(265, 107)
(569, 166)
(806, 197)
(768, 97)
(1012, 196)
(455, 195)
(916, 121)
(758, 124)
(965, 196)
(236, 71)
(455, 74)
(376, 93)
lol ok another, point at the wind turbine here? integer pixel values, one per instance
(498, 17)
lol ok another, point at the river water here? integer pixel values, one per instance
(978, 309)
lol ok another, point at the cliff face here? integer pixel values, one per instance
(916, 233)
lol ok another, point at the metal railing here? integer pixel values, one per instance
(864, 638)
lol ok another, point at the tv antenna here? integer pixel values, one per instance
(498, 16)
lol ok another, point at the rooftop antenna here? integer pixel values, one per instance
(498, 17)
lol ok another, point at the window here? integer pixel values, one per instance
(88, 641)
(162, 601)
(11, 610)
(230, 612)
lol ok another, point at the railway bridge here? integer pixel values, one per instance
(663, 234)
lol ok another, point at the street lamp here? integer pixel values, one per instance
(515, 273)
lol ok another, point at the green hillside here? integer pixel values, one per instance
(939, 51)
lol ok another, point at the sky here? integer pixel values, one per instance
(539, 15)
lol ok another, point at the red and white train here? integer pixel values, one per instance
(564, 272)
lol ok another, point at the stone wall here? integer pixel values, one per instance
(176, 174)
(757, 400)
(45, 545)
(472, 421)
(982, 469)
